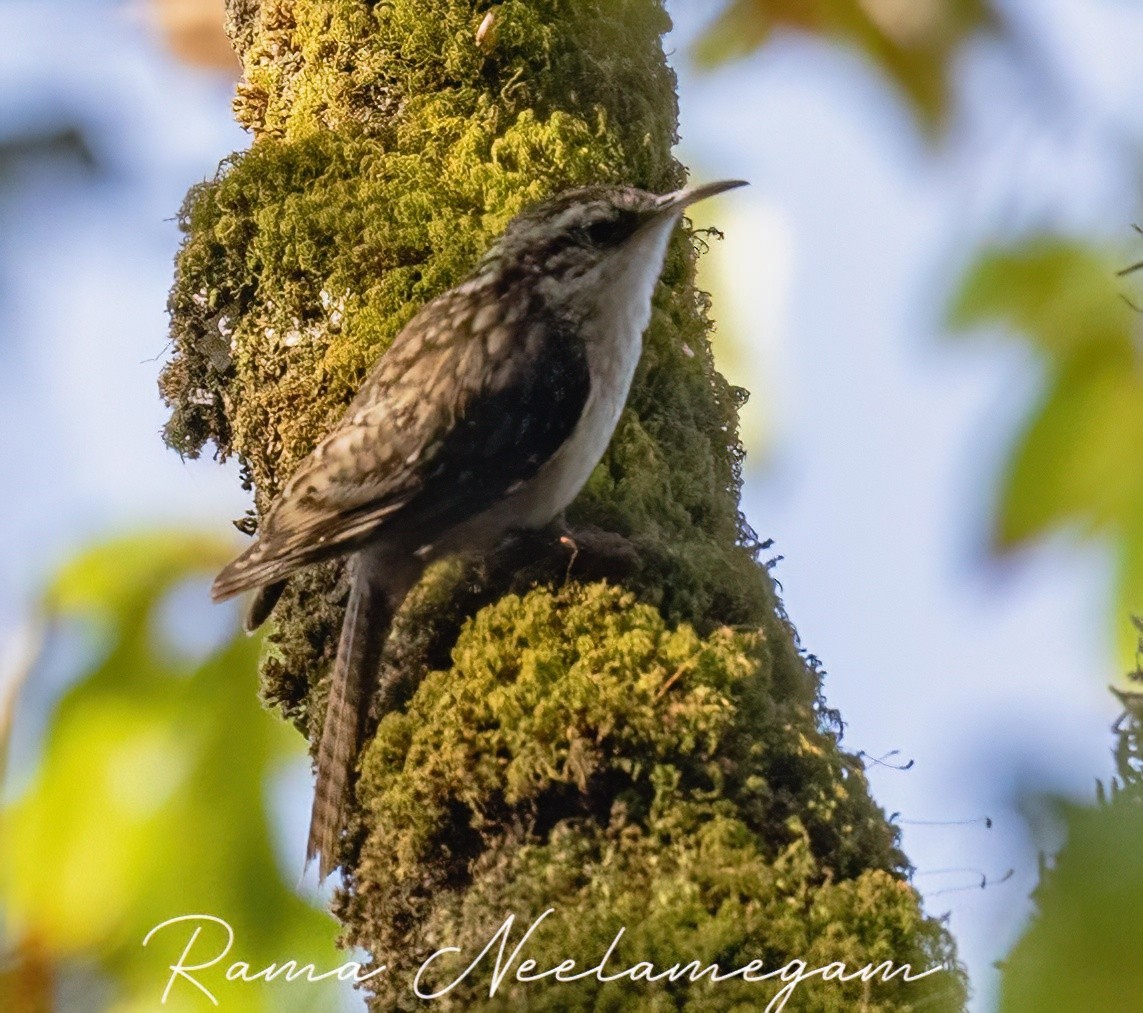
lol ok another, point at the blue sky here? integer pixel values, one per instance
(875, 439)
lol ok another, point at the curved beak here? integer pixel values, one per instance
(693, 194)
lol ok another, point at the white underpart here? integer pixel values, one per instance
(614, 338)
(613, 335)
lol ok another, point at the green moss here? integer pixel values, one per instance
(582, 754)
(547, 750)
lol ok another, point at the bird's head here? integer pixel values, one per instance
(597, 243)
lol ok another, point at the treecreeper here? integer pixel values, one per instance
(486, 416)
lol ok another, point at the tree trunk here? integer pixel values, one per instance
(631, 736)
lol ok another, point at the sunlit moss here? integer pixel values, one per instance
(582, 754)
(389, 149)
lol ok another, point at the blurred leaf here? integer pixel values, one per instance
(913, 42)
(1081, 952)
(123, 577)
(1058, 293)
(194, 33)
(1129, 587)
(150, 801)
(1077, 461)
(1074, 461)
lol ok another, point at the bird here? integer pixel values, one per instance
(485, 417)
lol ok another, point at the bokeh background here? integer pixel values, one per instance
(921, 290)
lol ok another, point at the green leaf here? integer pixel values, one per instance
(1129, 591)
(150, 801)
(741, 28)
(1081, 951)
(1077, 462)
(1057, 293)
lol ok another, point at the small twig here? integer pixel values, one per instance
(896, 818)
(984, 883)
(675, 677)
(880, 761)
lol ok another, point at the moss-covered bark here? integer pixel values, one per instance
(655, 754)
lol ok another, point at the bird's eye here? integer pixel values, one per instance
(604, 232)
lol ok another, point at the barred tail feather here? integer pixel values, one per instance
(380, 583)
(367, 620)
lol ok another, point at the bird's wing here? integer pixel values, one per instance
(462, 406)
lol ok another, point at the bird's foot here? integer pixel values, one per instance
(599, 555)
(586, 553)
(568, 542)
